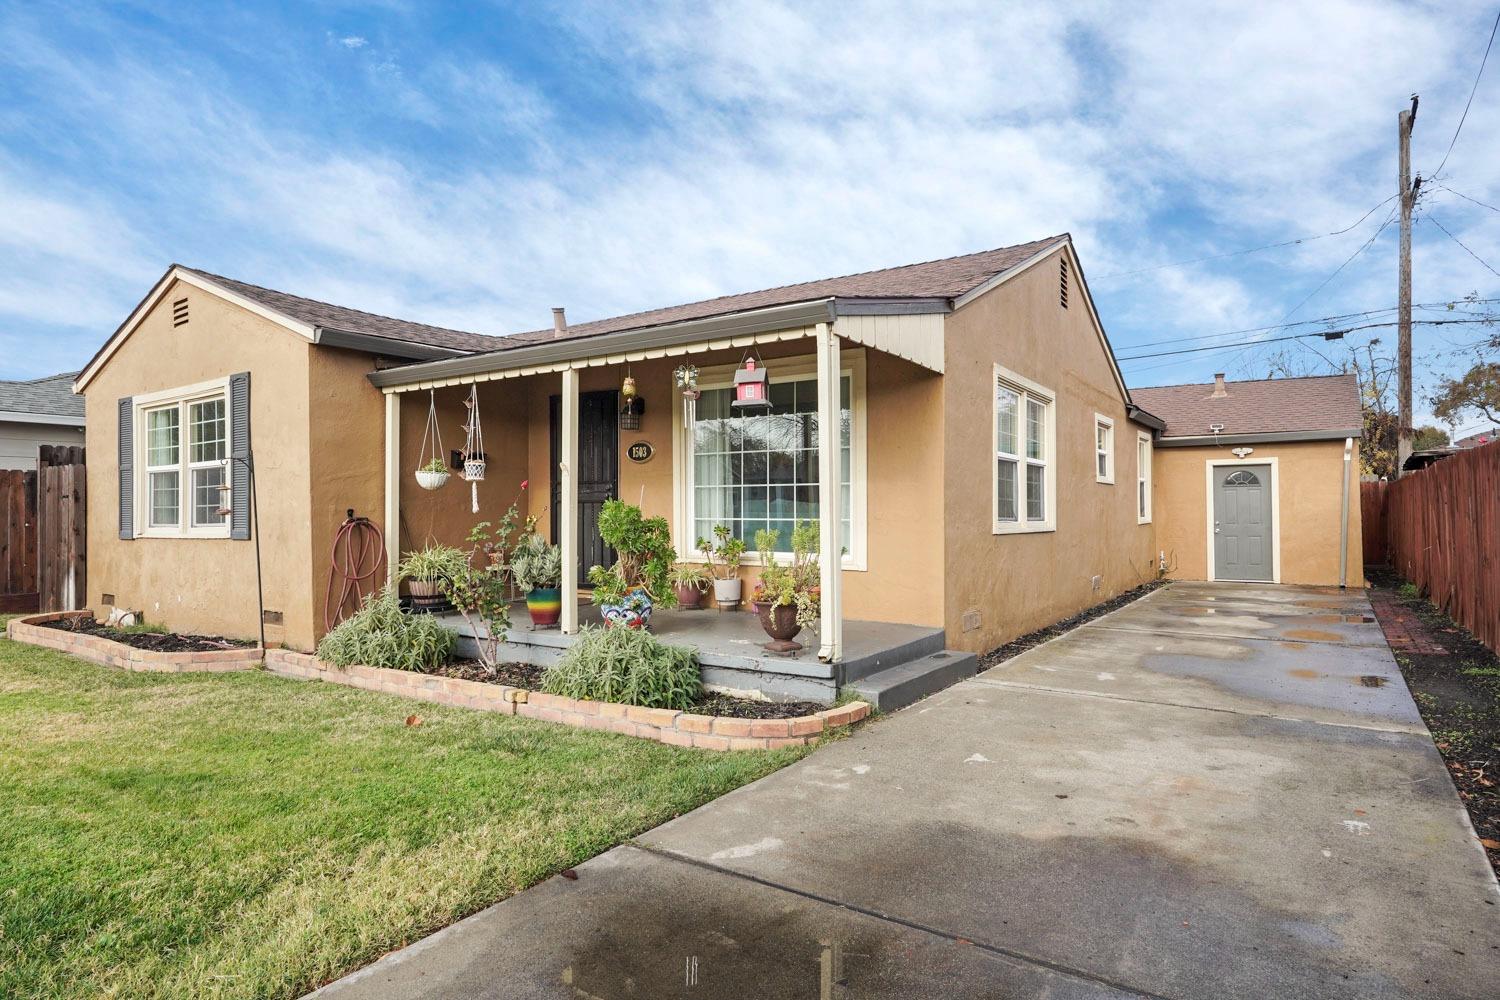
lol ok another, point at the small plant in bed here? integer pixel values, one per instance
(149, 636)
(626, 665)
(380, 634)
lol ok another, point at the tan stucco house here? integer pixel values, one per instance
(959, 429)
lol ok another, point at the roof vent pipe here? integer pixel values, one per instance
(1219, 391)
(559, 321)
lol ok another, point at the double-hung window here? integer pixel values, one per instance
(1142, 478)
(1025, 482)
(1104, 449)
(184, 462)
(758, 469)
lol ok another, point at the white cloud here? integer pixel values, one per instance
(771, 143)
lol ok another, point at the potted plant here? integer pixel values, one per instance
(433, 475)
(641, 577)
(426, 569)
(723, 555)
(536, 568)
(786, 598)
(690, 583)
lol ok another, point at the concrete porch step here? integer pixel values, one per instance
(901, 685)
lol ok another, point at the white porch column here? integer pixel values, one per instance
(392, 484)
(830, 500)
(567, 515)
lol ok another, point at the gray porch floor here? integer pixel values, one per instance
(730, 648)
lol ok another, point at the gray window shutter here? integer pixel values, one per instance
(240, 456)
(127, 469)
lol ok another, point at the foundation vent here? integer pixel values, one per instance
(107, 599)
(971, 619)
(1062, 282)
(270, 617)
(180, 312)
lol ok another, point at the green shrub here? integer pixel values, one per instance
(380, 634)
(626, 665)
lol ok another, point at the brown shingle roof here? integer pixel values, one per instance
(1328, 403)
(935, 279)
(324, 314)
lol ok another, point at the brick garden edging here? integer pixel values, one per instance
(683, 729)
(110, 653)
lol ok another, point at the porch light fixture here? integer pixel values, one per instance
(630, 413)
(750, 387)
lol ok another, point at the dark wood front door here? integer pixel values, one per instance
(598, 472)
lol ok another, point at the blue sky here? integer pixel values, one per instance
(475, 165)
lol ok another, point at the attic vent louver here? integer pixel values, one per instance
(1062, 282)
(180, 312)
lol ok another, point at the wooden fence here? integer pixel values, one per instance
(1442, 529)
(43, 533)
(1372, 522)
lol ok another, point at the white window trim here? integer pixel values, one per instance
(182, 397)
(1100, 420)
(1027, 389)
(1208, 476)
(1144, 475)
(852, 364)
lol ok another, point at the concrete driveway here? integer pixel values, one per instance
(1218, 791)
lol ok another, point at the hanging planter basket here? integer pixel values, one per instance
(432, 474)
(429, 479)
(474, 459)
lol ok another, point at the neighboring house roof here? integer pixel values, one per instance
(1285, 409)
(327, 316)
(47, 400)
(1479, 439)
(948, 278)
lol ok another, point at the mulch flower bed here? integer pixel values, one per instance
(160, 642)
(529, 677)
(1018, 646)
(1455, 681)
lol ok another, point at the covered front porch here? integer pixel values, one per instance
(731, 650)
(550, 417)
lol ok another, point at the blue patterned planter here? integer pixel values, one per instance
(633, 612)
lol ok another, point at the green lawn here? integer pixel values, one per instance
(244, 835)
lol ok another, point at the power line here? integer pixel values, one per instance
(1470, 101)
(1337, 271)
(1324, 334)
(1465, 197)
(1449, 306)
(1461, 243)
(1241, 253)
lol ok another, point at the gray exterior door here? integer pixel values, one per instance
(1242, 522)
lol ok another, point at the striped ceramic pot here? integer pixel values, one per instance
(545, 605)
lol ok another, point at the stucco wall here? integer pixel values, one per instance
(1309, 480)
(1020, 582)
(346, 447)
(199, 584)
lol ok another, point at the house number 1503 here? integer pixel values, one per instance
(640, 451)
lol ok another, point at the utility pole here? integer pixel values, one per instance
(1408, 192)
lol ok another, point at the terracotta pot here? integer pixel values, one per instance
(689, 598)
(545, 605)
(780, 621)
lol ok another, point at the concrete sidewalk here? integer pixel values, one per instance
(1219, 791)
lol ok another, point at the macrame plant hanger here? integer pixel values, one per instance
(474, 459)
(428, 477)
